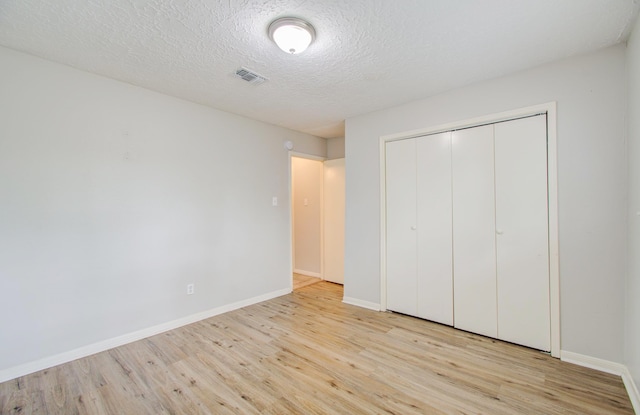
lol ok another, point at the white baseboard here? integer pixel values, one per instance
(51, 361)
(361, 303)
(307, 273)
(607, 367)
(592, 362)
(632, 390)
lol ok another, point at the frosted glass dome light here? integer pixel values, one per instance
(291, 34)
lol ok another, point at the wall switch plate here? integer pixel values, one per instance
(190, 289)
(274, 201)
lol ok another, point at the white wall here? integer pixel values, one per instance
(632, 340)
(335, 148)
(306, 186)
(113, 198)
(590, 91)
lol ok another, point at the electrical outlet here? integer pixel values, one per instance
(190, 289)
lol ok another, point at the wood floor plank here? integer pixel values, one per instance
(211, 388)
(300, 281)
(91, 402)
(309, 353)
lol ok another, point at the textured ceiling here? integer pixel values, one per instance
(368, 55)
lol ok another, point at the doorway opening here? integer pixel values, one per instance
(317, 220)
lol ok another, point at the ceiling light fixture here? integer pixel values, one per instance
(291, 34)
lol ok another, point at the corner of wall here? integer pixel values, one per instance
(607, 367)
(632, 287)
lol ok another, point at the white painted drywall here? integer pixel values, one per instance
(632, 340)
(335, 148)
(113, 198)
(590, 92)
(307, 176)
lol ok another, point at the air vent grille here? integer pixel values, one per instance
(250, 76)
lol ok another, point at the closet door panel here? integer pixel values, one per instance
(474, 255)
(522, 232)
(401, 226)
(435, 279)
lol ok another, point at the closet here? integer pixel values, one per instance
(467, 229)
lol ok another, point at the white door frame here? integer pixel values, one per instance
(552, 183)
(290, 210)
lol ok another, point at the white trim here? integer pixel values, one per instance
(48, 362)
(632, 390)
(554, 238)
(290, 216)
(306, 156)
(602, 365)
(552, 165)
(383, 224)
(361, 303)
(607, 367)
(307, 273)
(322, 222)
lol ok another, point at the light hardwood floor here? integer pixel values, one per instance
(300, 281)
(308, 353)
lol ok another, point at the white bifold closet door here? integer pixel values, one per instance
(435, 287)
(402, 255)
(419, 257)
(500, 231)
(467, 230)
(522, 238)
(474, 248)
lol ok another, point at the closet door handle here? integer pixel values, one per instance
(499, 231)
(413, 228)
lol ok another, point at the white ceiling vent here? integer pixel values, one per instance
(250, 76)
